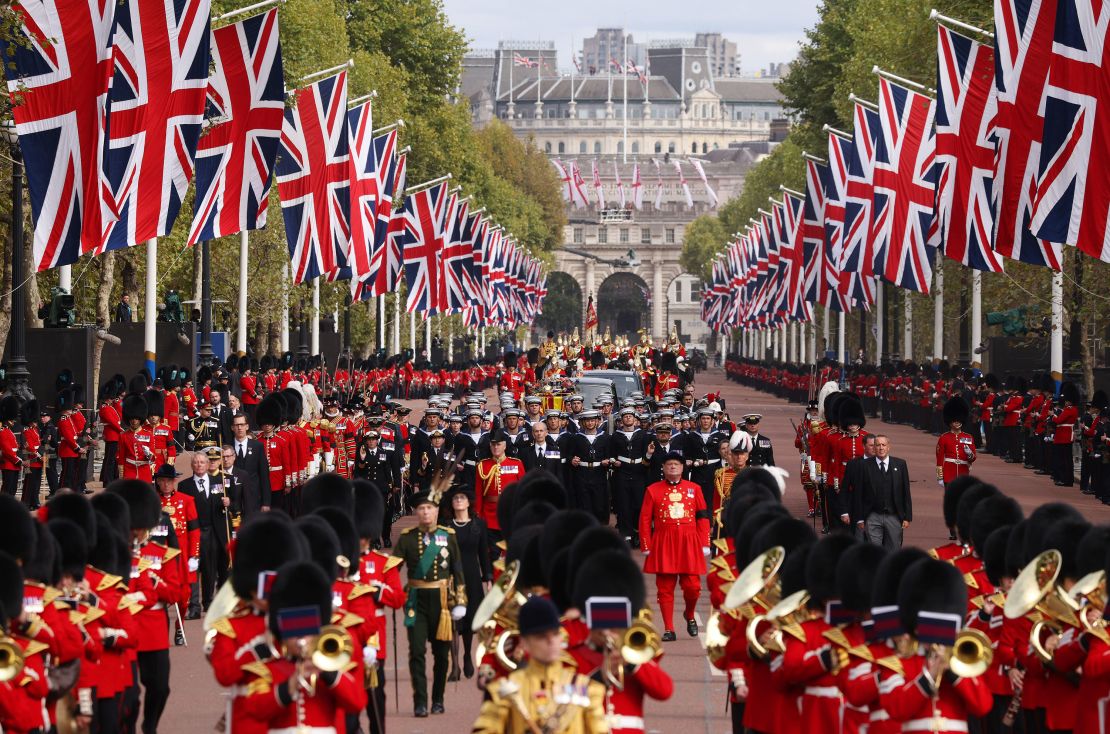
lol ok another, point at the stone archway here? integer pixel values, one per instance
(623, 305)
(562, 308)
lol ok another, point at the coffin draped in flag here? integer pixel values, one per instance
(58, 72)
(236, 151)
(423, 240)
(965, 150)
(156, 101)
(313, 179)
(902, 218)
(1022, 50)
(1072, 206)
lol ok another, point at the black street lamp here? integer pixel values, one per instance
(302, 347)
(19, 379)
(347, 324)
(204, 351)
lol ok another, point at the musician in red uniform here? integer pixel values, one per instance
(955, 449)
(163, 446)
(182, 511)
(136, 444)
(492, 476)
(848, 444)
(1011, 415)
(674, 535)
(1067, 415)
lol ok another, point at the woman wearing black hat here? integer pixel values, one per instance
(473, 540)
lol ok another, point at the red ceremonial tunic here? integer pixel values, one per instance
(232, 644)
(182, 510)
(136, 454)
(801, 666)
(674, 527)
(268, 703)
(955, 452)
(490, 483)
(923, 706)
(109, 418)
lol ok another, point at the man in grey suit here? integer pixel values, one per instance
(883, 508)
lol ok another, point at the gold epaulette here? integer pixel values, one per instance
(933, 554)
(360, 590)
(970, 581)
(796, 631)
(450, 531)
(836, 636)
(721, 544)
(92, 615)
(725, 571)
(108, 581)
(393, 562)
(259, 669)
(49, 595)
(224, 627)
(502, 545)
(126, 603)
(977, 601)
(862, 652)
(171, 553)
(892, 663)
(34, 647)
(349, 619)
(998, 598)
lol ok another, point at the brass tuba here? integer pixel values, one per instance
(11, 659)
(1089, 593)
(1035, 589)
(757, 577)
(784, 616)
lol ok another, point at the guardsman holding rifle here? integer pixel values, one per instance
(11, 465)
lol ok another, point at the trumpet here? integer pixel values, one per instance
(639, 644)
(11, 659)
(1035, 589)
(333, 650)
(971, 655)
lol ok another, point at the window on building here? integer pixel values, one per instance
(582, 147)
(694, 148)
(620, 146)
(670, 147)
(668, 236)
(705, 147)
(547, 147)
(635, 148)
(658, 147)
(579, 236)
(766, 116)
(603, 235)
(597, 146)
(562, 147)
(695, 290)
(645, 236)
(624, 235)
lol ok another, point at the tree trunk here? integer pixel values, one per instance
(31, 290)
(197, 279)
(107, 266)
(6, 289)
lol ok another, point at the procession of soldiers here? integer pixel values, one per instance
(530, 521)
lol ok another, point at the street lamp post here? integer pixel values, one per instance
(302, 346)
(347, 324)
(18, 377)
(204, 350)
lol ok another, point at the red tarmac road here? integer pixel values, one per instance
(196, 702)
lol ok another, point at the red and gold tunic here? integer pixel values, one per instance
(955, 453)
(674, 527)
(492, 478)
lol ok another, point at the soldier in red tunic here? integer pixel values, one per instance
(182, 511)
(1064, 420)
(269, 416)
(674, 535)
(493, 475)
(136, 445)
(955, 449)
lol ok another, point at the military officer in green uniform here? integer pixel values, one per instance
(436, 597)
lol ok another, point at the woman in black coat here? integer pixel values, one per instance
(473, 539)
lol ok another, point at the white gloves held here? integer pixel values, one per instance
(458, 612)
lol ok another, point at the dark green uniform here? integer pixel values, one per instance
(435, 585)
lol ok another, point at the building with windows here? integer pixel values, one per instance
(607, 45)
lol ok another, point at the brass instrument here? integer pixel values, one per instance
(507, 650)
(640, 643)
(11, 659)
(1035, 590)
(971, 655)
(333, 650)
(758, 576)
(502, 602)
(1089, 593)
(715, 640)
(785, 616)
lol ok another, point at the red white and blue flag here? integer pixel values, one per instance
(363, 195)
(1022, 51)
(857, 255)
(813, 232)
(156, 105)
(843, 286)
(313, 179)
(1072, 204)
(966, 107)
(423, 240)
(903, 216)
(388, 180)
(236, 152)
(58, 72)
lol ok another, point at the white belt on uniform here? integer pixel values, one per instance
(619, 721)
(159, 606)
(304, 730)
(626, 459)
(879, 715)
(823, 691)
(712, 461)
(470, 462)
(959, 462)
(935, 723)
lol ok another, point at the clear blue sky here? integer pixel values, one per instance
(764, 32)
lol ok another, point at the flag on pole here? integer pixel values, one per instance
(364, 193)
(637, 188)
(857, 255)
(683, 183)
(599, 190)
(813, 231)
(313, 177)
(966, 105)
(519, 60)
(658, 184)
(156, 106)
(591, 314)
(388, 181)
(424, 214)
(620, 186)
(235, 155)
(578, 187)
(564, 176)
(701, 174)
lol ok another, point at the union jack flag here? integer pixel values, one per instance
(313, 178)
(424, 214)
(364, 193)
(395, 229)
(519, 60)
(1072, 206)
(1022, 50)
(842, 286)
(384, 171)
(903, 224)
(813, 231)
(58, 75)
(236, 152)
(156, 102)
(965, 150)
(857, 255)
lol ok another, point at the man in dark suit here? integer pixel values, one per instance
(843, 503)
(233, 483)
(541, 452)
(251, 468)
(123, 310)
(207, 491)
(884, 509)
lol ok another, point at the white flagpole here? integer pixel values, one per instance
(381, 319)
(241, 336)
(150, 332)
(880, 324)
(412, 333)
(840, 355)
(624, 113)
(397, 322)
(65, 278)
(976, 316)
(428, 336)
(938, 311)
(1056, 356)
(316, 315)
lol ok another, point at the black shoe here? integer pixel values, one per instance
(811, 513)
(669, 636)
(420, 711)
(468, 668)
(951, 535)
(179, 639)
(691, 627)
(437, 708)
(193, 614)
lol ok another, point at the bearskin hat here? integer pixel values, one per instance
(138, 384)
(884, 590)
(931, 586)
(294, 404)
(749, 540)
(135, 408)
(29, 413)
(72, 545)
(369, 509)
(45, 565)
(1092, 554)
(115, 508)
(145, 508)
(1065, 536)
(11, 589)
(328, 490)
(792, 572)
(265, 541)
(993, 512)
(991, 380)
(106, 554)
(560, 531)
(9, 408)
(594, 540)
(17, 529)
(559, 580)
(740, 501)
(969, 500)
(956, 409)
(772, 480)
(533, 513)
(1040, 521)
(1069, 393)
(952, 494)
(1015, 547)
(994, 555)
(299, 584)
(522, 546)
(344, 528)
(77, 509)
(270, 410)
(155, 403)
(609, 572)
(821, 568)
(506, 516)
(849, 411)
(539, 484)
(323, 543)
(855, 575)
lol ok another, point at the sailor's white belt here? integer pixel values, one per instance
(470, 462)
(959, 462)
(712, 461)
(879, 715)
(627, 460)
(619, 721)
(823, 691)
(589, 464)
(275, 468)
(934, 723)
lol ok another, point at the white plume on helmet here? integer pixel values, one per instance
(826, 390)
(740, 441)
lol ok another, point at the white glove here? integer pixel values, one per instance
(705, 551)
(458, 612)
(940, 482)
(194, 564)
(369, 654)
